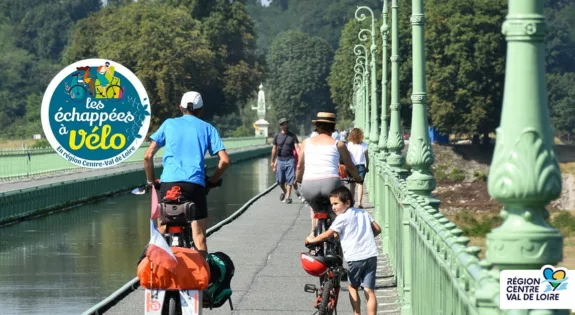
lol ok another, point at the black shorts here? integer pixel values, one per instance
(190, 192)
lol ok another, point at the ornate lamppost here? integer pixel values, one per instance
(361, 53)
(373, 136)
(383, 132)
(395, 139)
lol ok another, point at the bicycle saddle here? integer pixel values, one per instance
(331, 259)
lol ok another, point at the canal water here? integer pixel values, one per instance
(66, 262)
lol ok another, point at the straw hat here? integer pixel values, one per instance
(325, 117)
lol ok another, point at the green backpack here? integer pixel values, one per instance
(221, 272)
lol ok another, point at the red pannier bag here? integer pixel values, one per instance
(191, 273)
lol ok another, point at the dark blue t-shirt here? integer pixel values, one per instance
(285, 143)
(186, 140)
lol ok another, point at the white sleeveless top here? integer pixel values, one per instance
(320, 161)
(357, 152)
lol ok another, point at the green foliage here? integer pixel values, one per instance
(562, 101)
(242, 131)
(439, 173)
(465, 64)
(162, 45)
(342, 69)
(230, 34)
(172, 46)
(560, 41)
(476, 226)
(176, 47)
(564, 222)
(479, 175)
(298, 69)
(41, 144)
(343, 123)
(321, 18)
(456, 175)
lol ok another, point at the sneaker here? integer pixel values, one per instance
(282, 196)
(284, 201)
(289, 200)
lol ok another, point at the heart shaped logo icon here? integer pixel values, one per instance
(554, 277)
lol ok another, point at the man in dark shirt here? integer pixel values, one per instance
(284, 144)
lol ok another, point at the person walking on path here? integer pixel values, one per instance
(358, 151)
(284, 144)
(295, 185)
(318, 166)
(356, 230)
(186, 140)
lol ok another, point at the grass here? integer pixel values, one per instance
(454, 175)
(476, 228)
(567, 167)
(16, 144)
(479, 175)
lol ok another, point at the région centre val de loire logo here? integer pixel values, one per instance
(95, 113)
(548, 288)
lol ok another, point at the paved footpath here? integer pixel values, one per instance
(80, 173)
(265, 243)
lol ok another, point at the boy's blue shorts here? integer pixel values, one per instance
(362, 272)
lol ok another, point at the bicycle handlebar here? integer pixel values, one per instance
(350, 180)
(309, 245)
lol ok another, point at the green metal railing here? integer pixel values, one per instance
(436, 272)
(23, 163)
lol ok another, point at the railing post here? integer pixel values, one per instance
(420, 154)
(524, 175)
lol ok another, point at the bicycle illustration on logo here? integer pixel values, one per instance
(103, 85)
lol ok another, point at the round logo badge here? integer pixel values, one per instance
(95, 113)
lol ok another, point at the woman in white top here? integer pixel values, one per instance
(318, 164)
(358, 151)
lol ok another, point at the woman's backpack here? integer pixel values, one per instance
(221, 272)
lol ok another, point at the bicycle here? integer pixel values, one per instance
(324, 260)
(176, 214)
(77, 88)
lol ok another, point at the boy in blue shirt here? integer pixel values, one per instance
(186, 140)
(356, 230)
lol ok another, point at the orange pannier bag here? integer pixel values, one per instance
(191, 273)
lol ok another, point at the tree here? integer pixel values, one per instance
(298, 70)
(560, 40)
(465, 64)
(43, 27)
(14, 84)
(562, 102)
(161, 44)
(230, 34)
(342, 69)
(321, 18)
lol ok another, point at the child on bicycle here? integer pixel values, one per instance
(356, 230)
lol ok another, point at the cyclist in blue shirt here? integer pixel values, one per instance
(186, 140)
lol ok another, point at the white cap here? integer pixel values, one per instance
(192, 97)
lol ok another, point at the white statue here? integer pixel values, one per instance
(261, 104)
